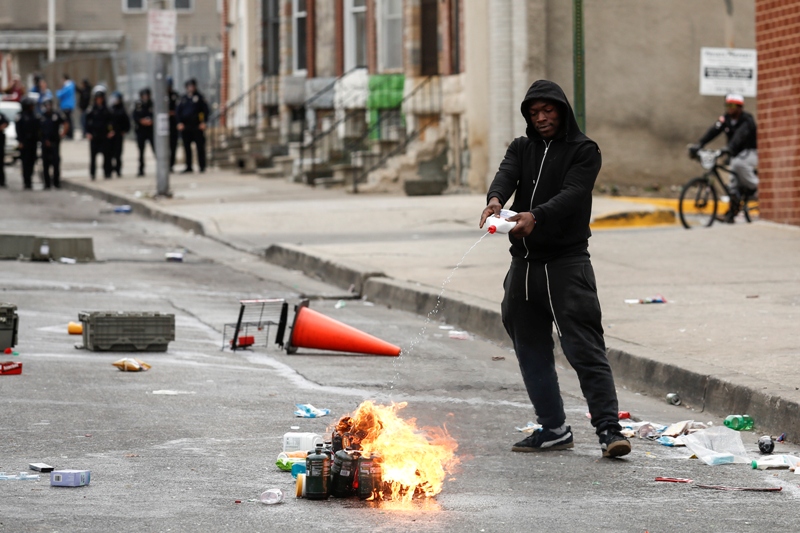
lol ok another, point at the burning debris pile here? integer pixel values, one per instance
(375, 454)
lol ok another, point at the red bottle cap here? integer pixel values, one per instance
(491, 229)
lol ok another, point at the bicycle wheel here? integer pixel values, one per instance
(750, 208)
(698, 203)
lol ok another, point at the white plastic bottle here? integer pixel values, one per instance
(500, 224)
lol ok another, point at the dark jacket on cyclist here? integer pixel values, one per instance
(741, 133)
(552, 179)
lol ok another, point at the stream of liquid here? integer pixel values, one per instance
(433, 312)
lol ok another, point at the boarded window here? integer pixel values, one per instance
(429, 42)
(271, 24)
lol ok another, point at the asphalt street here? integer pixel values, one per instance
(179, 462)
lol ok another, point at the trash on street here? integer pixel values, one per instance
(70, 478)
(306, 410)
(459, 335)
(10, 368)
(717, 446)
(766, 445)
(129, 364)
(747, 489)
(673, 398)
(658, 299)
(674, 479)
(530, 427)
(40, 467)
(22, 476)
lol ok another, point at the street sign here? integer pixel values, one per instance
(161, 30)
(728, 70)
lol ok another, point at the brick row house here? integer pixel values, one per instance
(345, 91)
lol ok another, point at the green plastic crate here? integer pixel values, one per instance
(113, 331)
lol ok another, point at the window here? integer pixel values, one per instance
(183, 5)
(429, 42)
(390, 29)
(271, 44)
(455, 37)
(134, 6)
(299, 18)
(355, 34)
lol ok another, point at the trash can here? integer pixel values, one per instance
(9, 323)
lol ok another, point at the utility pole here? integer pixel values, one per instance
(578, 64)
(161, 41)
(51, 30)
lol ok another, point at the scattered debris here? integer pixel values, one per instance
(766, 445)
(75, 328)
(776, 462)
(172, 392)
(128, 364)
(271, 496)
(23, 476)
(717, 446)
(286, 460)
(70, 478)
(460, 335)
(749, 489)
(673, 398)
(306, 410)
(752, 296)
(68, 260)
(10, 368)
(174, 257)
(530, 427)
(447, 327)
(340, 304)
(126, 209)
(739, 422)
(498, 358)
(658, 299)
(674, 479)
(40, 467)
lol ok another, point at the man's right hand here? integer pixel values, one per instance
(180, 126)
(492, 208)
(89, 136)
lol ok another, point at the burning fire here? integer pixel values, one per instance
(414, 460)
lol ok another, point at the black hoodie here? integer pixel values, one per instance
(553, 179)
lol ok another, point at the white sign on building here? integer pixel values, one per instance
(161, 30)
(728, 70)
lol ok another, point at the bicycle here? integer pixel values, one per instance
(699, 199)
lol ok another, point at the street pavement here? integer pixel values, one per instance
(179, 463)
(726, 340)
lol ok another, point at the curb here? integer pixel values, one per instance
(326, 268)
(137, 206)
(627, 219)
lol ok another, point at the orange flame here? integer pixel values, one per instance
(413, 460)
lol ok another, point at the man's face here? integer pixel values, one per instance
(734, 110)
(190, 89)
(545, 118)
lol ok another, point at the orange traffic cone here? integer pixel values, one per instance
(315, 330)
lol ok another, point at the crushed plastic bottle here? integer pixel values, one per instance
(122, 209)
(271, 496)
(775, 462)
(739, 422)
(23, 476)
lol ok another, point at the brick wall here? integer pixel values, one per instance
(778, 45)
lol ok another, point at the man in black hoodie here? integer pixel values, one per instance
(551, 173)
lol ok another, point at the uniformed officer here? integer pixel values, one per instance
(192, 113)
(143, 122)
(28, 133)
(173, 122)
(3, 126)
(121, 123)
(99, 131)
(54, 128)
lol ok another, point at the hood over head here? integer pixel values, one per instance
(548, 90)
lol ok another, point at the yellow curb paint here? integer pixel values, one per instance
(628, 219)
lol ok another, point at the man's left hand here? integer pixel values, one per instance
(525, 224)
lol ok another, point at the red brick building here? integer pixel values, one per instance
(778, 46)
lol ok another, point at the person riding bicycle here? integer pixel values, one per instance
(740, 129)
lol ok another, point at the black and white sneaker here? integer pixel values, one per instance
(543, 440)
(614, 444)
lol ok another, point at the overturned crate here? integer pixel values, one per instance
(112, 331)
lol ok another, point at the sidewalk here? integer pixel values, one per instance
(726, 341)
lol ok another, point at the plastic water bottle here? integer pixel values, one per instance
(739, 422)
(271, 496)
(499, 224)
(775, 462)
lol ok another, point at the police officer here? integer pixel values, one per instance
(54, 127)
(192, 113)
(99, 131)
(143, 122)
(121, 123)
(3, 126)
(28, 133)
(173, 122)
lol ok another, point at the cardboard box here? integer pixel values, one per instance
(10, 367)
(70, 478)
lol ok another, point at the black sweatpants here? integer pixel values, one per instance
(28, 159)
(117, 142)
(142, 138)
(51, 161)
(198, 137)
(563, 293)
(100, 146)
(173, 145)
(3, 160)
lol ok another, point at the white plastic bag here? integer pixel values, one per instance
(717, 446)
